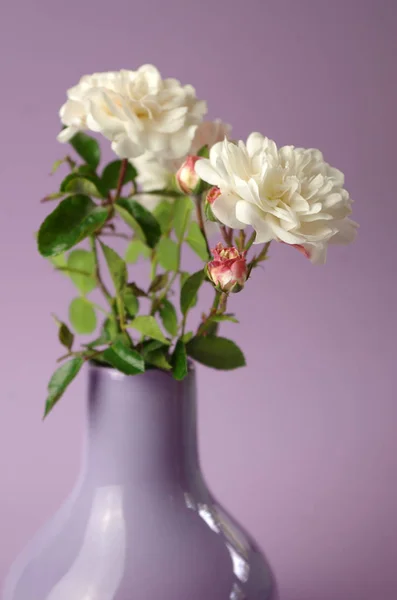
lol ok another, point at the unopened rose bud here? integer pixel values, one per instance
(186, 177)
(213, 194)
(228, 271)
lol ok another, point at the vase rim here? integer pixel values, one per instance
(96, 365)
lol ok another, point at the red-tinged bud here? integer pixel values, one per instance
(228, 271)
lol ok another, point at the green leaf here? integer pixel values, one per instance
(87, 148)
(204, 152)
(110, 330)
(210, 325)
(158, 283)
(111, 174)
(82, 260)
(75, 184)
(216, 352)
(65, 336)
(187, 337)
(75, 218)
(137, 291)
(53, 196)
(179, 361)
(196, 241)
(130, 301)
(169, 317)
(135, 249)
(87, 171)
(151, 345)
(164, 213)
(147, 222)
(182, 210)
(59, 261)
(158, 358)
(184, 277)
(124, 359)
(168, 254)
(224, 317)
(116, 266)
(131, 222)
(190, 289)
(58, 163)
(82, 316)
(147, 325)
(60, 380)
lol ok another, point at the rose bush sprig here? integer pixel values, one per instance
(177, 180)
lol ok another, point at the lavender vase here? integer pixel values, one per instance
(141, 523)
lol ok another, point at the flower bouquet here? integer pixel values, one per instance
(177, 180)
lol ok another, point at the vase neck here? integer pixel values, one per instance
(141, 428)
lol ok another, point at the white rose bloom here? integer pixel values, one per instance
(74, 112)
(289, 194)
(137, 110)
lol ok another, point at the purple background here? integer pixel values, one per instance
(301, 444)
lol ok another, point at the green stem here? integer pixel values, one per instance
(120, 183)
(120, 310)
(200, 220)
(227, 234)
(101, 284)
(153, 265)
(215, 303)
(68, 355)
(222, 303)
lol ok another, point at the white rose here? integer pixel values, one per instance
(289, 194)
(137, 110)
(74, 112)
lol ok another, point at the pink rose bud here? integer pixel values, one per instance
(228, 271)
(186, 177)
(213, 194)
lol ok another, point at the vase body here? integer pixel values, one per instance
(140, 523)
